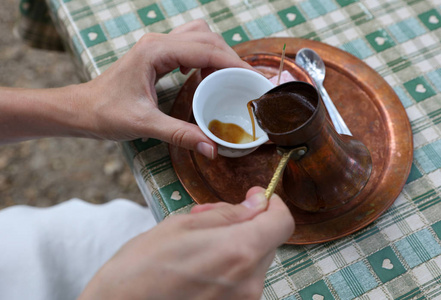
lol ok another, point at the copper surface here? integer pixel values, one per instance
(334, 169)
(372, 111)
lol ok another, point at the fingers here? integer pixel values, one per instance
(210, 206)
(196, 50)
(207, 206)
(258, 229)
(184, 48)
(196, 25)
(191, 31)
(209, 38)
(201, 50)
(198, 55)
(275, 225)
(225, 215)
(179, 133)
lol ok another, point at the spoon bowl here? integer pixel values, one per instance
(312, 63)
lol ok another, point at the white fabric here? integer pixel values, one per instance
(51, 253)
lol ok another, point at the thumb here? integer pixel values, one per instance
(251, 201)
(223, 215)
(182, 134)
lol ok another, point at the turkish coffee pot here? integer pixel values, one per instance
(331, 169)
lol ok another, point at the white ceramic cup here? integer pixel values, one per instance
(223, 95)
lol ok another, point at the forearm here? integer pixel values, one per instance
(121, 104)
(36, 113)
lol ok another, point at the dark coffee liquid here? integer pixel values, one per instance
(250, 112)
(229, 132)
(282, 112)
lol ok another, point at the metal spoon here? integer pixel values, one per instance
(309, 60)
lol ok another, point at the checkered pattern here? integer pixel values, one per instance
(396, 257)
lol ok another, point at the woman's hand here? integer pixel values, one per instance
(123, 102)
(219, 251)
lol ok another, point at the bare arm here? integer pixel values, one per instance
(36, 113)
(121, 104)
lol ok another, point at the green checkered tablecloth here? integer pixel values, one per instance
(396, 257)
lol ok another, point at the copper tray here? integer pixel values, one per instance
(374, 115)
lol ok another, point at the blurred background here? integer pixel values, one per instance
(49, 171)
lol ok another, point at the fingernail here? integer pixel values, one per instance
(257, 201)
(205, 149)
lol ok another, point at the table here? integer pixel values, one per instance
(396, 257)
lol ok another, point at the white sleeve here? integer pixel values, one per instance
(52, 253)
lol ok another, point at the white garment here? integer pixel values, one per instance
(52, 253)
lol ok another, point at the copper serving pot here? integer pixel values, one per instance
(334, 169)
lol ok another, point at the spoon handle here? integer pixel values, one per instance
(337, 120)
(276, 177)
(287, 154)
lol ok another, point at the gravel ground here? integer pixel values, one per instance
(49, 171)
